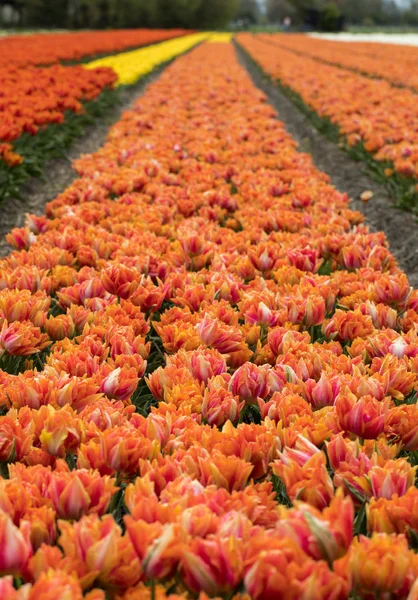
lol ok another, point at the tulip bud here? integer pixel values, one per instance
(60, 327)
(395, 477)
(365, 417)
(220, 406)
(323, 392)
(380, 563)
(207, 364)
(15, 544)
(218, 335)
(250, 382)
(120, 384)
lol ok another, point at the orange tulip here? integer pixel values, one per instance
(205, 364)
(60, 327)
(217, 335)
(15, 545)
(42, 526)
(20, 238)
(59, 584)
(120, 280)
(325, 535)
(157, 546)
(220, 406)
(250, 382)
(392, 289)
(347, 326)
(395, 514)
(395, 477)
(214, 566)
(117, 450)
(99, 550)
(402, 423)
(365, 416)
(229, 472)
(120, 384)
(61, 433)
(380, 563)
(21, 305)
(15, 441)
(80, 492)
(22, 339)
(310, 482)
(278, 568)
(324, 391)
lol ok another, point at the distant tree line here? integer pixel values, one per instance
(102, 14)
(355, 12)
(205, 14)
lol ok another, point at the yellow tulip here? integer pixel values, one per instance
(222, 38)
(130, 66)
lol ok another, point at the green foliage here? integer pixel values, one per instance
(216, 13)
(177, 13)
(380, 12)
(281, 492)
(45, 13)
(330, 18)
(249, 12)
(204, 14)
(102, 14)
(278, 10)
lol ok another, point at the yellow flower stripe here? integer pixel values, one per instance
(130, 66)
(220, 37)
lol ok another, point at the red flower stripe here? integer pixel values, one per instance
(32, 97)
(46, 49)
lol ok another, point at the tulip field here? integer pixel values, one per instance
(365, 97)
(208, 361)
(35, 90)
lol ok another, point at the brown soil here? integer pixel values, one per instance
(347, 175)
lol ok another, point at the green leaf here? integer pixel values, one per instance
(326, 267)
(412, 538)
(280, 489)
(355, 492)
(360, 522)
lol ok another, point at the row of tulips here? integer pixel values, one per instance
(130, 66)
(34, 97)
(31, 98)
(46, 49)
(369, 113)
(209, 369)
(383, 61)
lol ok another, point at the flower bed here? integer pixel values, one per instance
(130, 66)
(209, 368)
(397, 64)
(46, 49)
(32, 98)
(378, 122)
